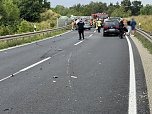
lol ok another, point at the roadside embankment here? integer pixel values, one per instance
(145, 21)
(15, 42)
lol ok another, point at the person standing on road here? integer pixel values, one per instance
(128, 27)
(121, 28)
(133, 25)
(73, 24)
(81, 29)
(99, 23)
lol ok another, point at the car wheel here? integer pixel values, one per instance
(104, 34)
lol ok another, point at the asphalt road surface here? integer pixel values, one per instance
(63, 75)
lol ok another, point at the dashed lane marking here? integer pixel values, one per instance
(78, 43)
(91, 35)
(29, 67)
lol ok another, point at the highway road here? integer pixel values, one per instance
(63, 75)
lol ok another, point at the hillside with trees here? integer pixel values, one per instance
(18, 16)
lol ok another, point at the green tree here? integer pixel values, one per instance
(136, 6)
(147, 10)
(111, 8)
(61, 10)
(46, 4)
(49, 15)
(120, 12)
(31, 9)
(126, 4)
(1, 9)
(9, 12)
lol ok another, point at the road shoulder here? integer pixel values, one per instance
(146, 58)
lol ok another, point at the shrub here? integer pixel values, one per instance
(25, 26)
(4, 30)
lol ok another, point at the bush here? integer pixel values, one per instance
(49, 15)
(4, 30)
(25, 26)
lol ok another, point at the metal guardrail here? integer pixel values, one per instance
(146, 35)
(29, 34)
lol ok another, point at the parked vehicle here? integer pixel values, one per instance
(110, 27)
(87, 26)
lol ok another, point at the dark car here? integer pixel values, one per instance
(110, 27)
(87, 26)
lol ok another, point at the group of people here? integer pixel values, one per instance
(124, 26)
(79, 25)
(128, 26)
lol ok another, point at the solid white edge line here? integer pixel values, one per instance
(132, 106)
(29, 67)
(32, 42)
(78, 43)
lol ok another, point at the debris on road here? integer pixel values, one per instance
(55, 76)
(74, 77)
(7, 109)
(60, 49)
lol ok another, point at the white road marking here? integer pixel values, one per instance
(22, 70)
(5, 78)
(91, 35)
(78, 43)
(132, 107)
(31, 66)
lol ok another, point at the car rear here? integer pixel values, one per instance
(87, 26)
(110, 28)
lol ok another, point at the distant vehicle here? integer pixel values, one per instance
(87, 26)
(115, 18)
(99, 15)
(110, 27)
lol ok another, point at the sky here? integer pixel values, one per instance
(68, 3)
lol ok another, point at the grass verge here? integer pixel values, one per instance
(14, 42)
(145, 20)
(146, 43)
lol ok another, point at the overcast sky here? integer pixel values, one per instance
(68, 3)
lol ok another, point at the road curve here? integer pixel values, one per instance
(63, 75)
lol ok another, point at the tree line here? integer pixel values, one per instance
(18, 16)
(123, 9)
(12, 10)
